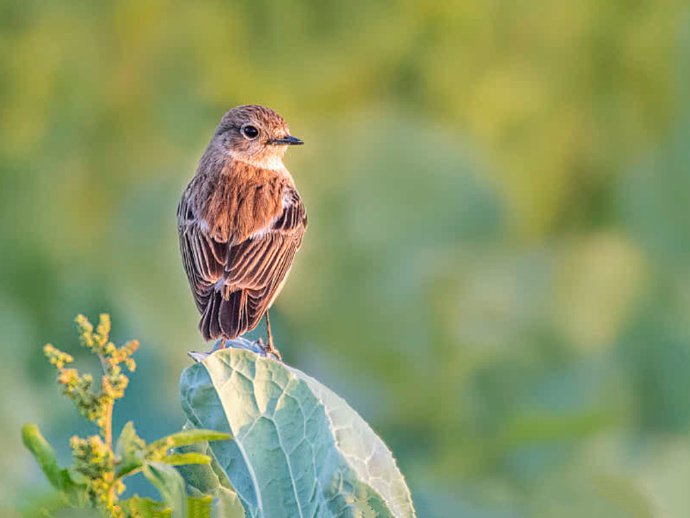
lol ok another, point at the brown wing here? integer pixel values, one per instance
(234, 284)
(203, 257)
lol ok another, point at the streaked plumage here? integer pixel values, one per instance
(240, 223)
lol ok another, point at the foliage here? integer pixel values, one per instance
(96, 477)
(298, 449)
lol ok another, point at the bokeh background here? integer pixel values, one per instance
(496, 273)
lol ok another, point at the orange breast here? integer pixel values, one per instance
(245, 200)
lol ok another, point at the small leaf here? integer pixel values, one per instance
(199, 507)
(138, 507)
(180, 459)
(130, 450)
(187, 437)
(77, 477)
(169, 484)
(204, 479)
(128, 436)
(73, 489)
(44, 454)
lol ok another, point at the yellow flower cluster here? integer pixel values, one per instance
(93, 456)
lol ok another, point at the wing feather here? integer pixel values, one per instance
(234, 284)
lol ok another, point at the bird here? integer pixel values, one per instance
(240, 222)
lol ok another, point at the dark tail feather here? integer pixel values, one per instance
(208, 325)
(226, 318)
(231, 314)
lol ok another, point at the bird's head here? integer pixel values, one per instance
(254, 134)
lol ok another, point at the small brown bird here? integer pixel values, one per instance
(240, 222)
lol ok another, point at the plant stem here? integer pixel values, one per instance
(107, 419)
(108, 424)
(107, 431)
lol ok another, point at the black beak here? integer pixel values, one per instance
(286, 141)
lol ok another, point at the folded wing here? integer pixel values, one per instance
(235, 283)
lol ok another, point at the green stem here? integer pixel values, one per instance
(107, 418)
(108, 424)
(107, 432)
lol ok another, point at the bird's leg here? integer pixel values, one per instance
(269, 335)
(270, 349)
(221, 343)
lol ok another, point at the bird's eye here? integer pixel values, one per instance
(250, 131)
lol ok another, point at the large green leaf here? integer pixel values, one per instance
(297, 449)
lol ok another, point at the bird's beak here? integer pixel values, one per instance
(286, 141)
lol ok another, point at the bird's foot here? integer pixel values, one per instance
(257, 346)
(269, 350)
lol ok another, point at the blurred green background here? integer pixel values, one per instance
(497, 269)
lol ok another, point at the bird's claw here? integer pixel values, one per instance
(257, 346)
(269, 350)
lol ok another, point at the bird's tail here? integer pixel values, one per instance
(227, 317)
